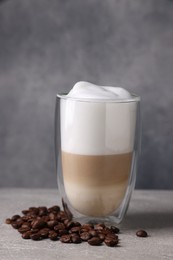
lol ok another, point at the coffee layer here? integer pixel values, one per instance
(95, 185)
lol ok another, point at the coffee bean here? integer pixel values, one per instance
(25, 212)
(16, 225)
(58, 227)
(35, 236)
(77, 224)
(111, 236)
(76, 239)
(85, 236)
(8, 221)
(95, 241)
(75, 230)
(26, 235)
(44, 233)
(66, 239)
(15, 217)
(87, 226)
(54, 209)
(141, 233)
(69, 224)
(62, 232)
(93, 233)
(101, 236)
(115, 229)
(52, 216)
(99, 226)
(23, 229)
(39, 223)
(26, 224)
(111, 242)
(36, 230)
(52, 223)
(53, 236)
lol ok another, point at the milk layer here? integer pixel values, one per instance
(93, 122)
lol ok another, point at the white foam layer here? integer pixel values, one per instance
(97, 128)
(83, 89)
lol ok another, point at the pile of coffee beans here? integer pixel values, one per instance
(39, 223)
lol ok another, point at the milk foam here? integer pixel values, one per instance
(92, 123)
(83, 89)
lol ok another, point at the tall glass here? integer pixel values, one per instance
(96, 147)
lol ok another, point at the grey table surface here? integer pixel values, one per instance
(150, 210)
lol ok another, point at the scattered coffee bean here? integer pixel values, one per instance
(27, 235)
(75, 230)
(35, 236)
(8, 221)
(39, 223)
(66, 239)
(76, 239)
(53, 236)
(141, 233)
(15, 217)
(85, 236)
(111, 242)
(115, 229)
(95, 241)
(23, 229)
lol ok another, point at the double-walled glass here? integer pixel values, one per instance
(97, 146)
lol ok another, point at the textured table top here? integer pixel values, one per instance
(149, 210)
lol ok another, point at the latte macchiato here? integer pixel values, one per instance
(97, 139)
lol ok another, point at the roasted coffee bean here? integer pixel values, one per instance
(52, 223)
(76, 239)
(75, 230)
(23, 229)
(35, 236)
(58, 227)
(77, 224)
(45, 218)
(54, 209)
(44, 233)
(82, 230)
(36, 230)
(100, 226)
(115, 229)
(52, 216)
(111, 236)
(39, 223)
(111, 242)
(95, 241)
(16, 225)
(15, 217)
(93, 233)
(69, 224)
(141, 233)
(27, 235)
(101, 236)
(25, 212)
(8, 221)
(62, 232)
(88, 226)
(53, 236)
(26, 224)
(66, 239)
(85, 236)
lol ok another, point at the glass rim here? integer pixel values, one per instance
(133, 98)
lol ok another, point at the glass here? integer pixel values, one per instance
(97, 145)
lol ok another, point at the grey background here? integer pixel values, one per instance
(47, 46)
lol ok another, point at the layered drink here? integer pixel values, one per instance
(97, 142)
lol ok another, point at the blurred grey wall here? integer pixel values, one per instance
(47, 46)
